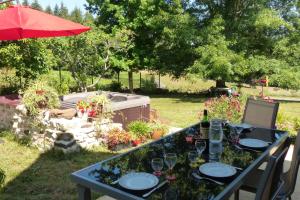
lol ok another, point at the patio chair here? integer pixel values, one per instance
(260, 113)
(290, 177)
(252, 182)
(271, 184)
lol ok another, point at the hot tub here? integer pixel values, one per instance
(126, 107)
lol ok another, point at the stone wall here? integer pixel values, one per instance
(6, 116)
(68, 135)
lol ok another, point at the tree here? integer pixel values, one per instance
(92, 53)
(25, 3)
(56, 10)
(29, 57)
(76, 15)
(63, 11)
(49, 10)
(216, 61)
(148, 21)
(36, 5)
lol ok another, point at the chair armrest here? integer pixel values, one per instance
(280, 187)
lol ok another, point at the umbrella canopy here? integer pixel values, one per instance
(19, 22)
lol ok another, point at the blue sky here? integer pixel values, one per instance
(71, 4)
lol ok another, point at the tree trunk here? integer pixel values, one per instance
(220, 84)
(130, 80)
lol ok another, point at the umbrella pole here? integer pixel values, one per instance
(60, 78)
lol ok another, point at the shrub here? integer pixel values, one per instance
(149, 85)
(140, 129)
(229, 108)
(64, 87)
(9, 82)
(2, 177)
(116, 137)
(39, 96)
(115, 86)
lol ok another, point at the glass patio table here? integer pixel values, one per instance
(100, 176)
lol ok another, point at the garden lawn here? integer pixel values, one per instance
(35, 176)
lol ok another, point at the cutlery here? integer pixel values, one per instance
(238, 168)
(156, 188)
(115, 182)
(205, 178)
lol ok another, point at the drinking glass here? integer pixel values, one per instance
(200, 146)
(170, 160)
(157, 165)
(216, 131)
(192, 156)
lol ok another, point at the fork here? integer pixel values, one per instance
(205, 178)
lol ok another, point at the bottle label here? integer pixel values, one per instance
(204, 132)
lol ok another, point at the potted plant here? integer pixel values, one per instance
(118, 139)
(39, 96)
(82, 107)
(99, 107)
(158, 130)
(140, 130)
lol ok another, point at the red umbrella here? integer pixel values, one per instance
(18, 22)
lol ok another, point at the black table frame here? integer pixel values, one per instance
(84, 185)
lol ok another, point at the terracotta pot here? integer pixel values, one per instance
(136, 142)
(157, 134)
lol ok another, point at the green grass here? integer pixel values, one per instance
(177, 110)
(33, 175)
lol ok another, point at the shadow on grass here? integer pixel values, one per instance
(48, 177)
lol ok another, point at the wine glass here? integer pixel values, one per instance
(157, 165)
(200, 146)
(192, 156)
(170, 160)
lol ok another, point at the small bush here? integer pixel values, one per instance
(149, 85)
(39, 96)
(140, 129)
(115, 86)
(9, 82)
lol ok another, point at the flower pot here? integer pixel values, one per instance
(136, 142)
(157, 134)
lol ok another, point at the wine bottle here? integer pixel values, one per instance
(204, 131)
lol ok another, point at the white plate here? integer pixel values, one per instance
(138, 181)
(242, 125)
(253, 143)
(217, 169)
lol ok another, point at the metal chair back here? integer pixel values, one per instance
(271, 184)
(260, 113)
(290, 176)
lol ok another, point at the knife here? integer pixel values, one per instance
(156, 188)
